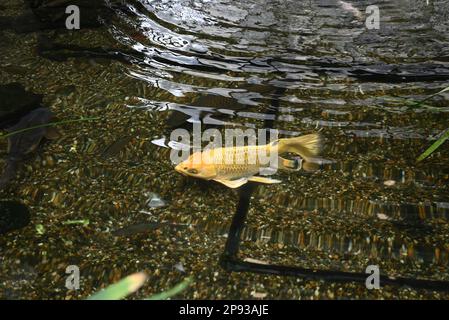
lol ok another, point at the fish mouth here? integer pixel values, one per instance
(178, 169)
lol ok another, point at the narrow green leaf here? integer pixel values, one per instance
(434, 146)
(84, 222)
(121, 289)
(433, 95)
(173, 291)
(50, 124)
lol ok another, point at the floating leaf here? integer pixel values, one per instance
(434, 146)
(173, 291)
(121, 289)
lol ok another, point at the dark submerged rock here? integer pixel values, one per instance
(13, 215)
(22, 144)
(15, 102)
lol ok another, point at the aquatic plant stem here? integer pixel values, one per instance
(50, 124)
(433, 95)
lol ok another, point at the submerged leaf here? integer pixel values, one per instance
(173, 291)
(84, 222)
(122, 288)
(40, 229)
(433, 95)
(434, 146)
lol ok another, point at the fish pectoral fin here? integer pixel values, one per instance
(233, 183)
(263, 180)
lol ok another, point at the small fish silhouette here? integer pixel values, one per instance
(22, 144)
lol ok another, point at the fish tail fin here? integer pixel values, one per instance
(306, 146)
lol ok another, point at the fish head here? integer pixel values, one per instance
(195, 167)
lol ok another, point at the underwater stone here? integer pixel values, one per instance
(15, 102)
(13, 215)
(154, 201)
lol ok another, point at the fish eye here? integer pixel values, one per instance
(192, 171)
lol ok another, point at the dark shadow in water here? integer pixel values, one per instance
(51, 15)
(15, 102)
(13, 215)
(45, 15)
(49, 49)
(29, 134)
(21, 109)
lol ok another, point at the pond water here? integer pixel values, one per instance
(105, 196)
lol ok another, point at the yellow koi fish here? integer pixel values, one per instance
(235, 166)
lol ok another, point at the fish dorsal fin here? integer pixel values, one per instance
(263, 180)
(233, 183)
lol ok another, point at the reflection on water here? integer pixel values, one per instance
(223, 63)
(228, 63)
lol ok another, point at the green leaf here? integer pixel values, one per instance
(122, 288)
(173, 291)
(434, 146)
(84, 222)
(40, 229)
